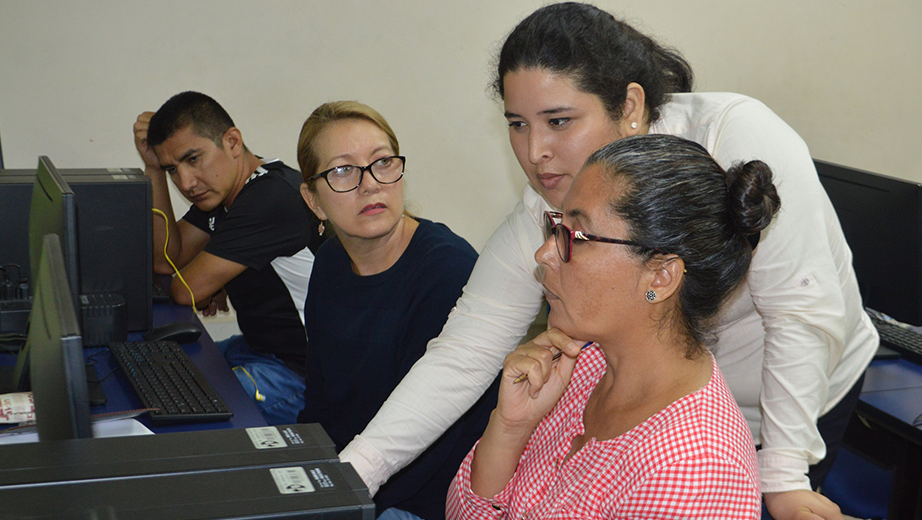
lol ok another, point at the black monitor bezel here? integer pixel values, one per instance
(881, 217)
(53, 209)
(55, 350)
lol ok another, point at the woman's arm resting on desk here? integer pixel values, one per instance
(795, 289)
(206, 275)
(799, 292)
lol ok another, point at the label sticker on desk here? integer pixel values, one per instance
(266, 438)
(291, 480)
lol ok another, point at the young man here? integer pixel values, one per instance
(248, 232)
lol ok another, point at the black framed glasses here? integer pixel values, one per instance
(386, 170)
(565, 236)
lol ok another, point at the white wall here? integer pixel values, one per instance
(74, 74)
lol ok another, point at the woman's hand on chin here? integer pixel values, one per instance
(541, 379)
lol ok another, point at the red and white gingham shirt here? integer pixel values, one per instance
(693, 459)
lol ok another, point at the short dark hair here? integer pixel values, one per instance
(189, 109)
(599, 52)
(678, 200)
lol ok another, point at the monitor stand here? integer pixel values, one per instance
(94, 386)
(6, 380)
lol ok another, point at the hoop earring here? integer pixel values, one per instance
(650, 295)
(320, 228)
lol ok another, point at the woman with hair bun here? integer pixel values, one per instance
(640, 423)
(794, 337)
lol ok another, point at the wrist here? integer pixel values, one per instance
(154, 172)
(367, 462)
(506, 428)
(782, 470)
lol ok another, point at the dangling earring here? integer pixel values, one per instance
(634, 125)
(650, 295)
(320, 228)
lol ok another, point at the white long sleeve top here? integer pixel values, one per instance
(793, 339)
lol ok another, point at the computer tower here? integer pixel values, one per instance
(298, 491)
(179, 452)
(15, 199)
(114, 234)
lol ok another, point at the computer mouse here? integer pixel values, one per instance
(181, 332)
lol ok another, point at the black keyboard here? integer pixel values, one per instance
(908, 343)
(165, 378)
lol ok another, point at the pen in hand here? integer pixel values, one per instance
(557, 355)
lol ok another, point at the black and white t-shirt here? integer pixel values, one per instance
(269, 229)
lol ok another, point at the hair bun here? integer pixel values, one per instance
(753, 199)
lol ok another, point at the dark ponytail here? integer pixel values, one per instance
(677, 200)
(600, 53)
(753, 199)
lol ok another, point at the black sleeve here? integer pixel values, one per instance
(269, 219)
(199, 218)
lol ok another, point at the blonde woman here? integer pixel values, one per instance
(381, 288)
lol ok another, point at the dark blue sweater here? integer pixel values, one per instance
(365, 332)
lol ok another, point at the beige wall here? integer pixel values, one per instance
(74, 74)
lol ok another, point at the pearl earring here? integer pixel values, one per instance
(634, 125)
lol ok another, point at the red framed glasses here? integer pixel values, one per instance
(565, 236)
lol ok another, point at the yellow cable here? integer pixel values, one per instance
(258, 396)
(165, 255)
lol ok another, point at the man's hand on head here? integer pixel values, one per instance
(140, 141)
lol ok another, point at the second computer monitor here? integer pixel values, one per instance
(55, 351)
(882, 220)
(53, 210)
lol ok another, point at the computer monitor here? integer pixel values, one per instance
(54, 210)
(882, 220)
(55, 350)
(114, 239)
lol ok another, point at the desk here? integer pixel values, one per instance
(120, 395)
(881, 430)
(217, 474)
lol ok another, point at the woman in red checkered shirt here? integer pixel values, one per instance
(637, 423)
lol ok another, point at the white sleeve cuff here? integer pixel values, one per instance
(367, 462)
(781, 471)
